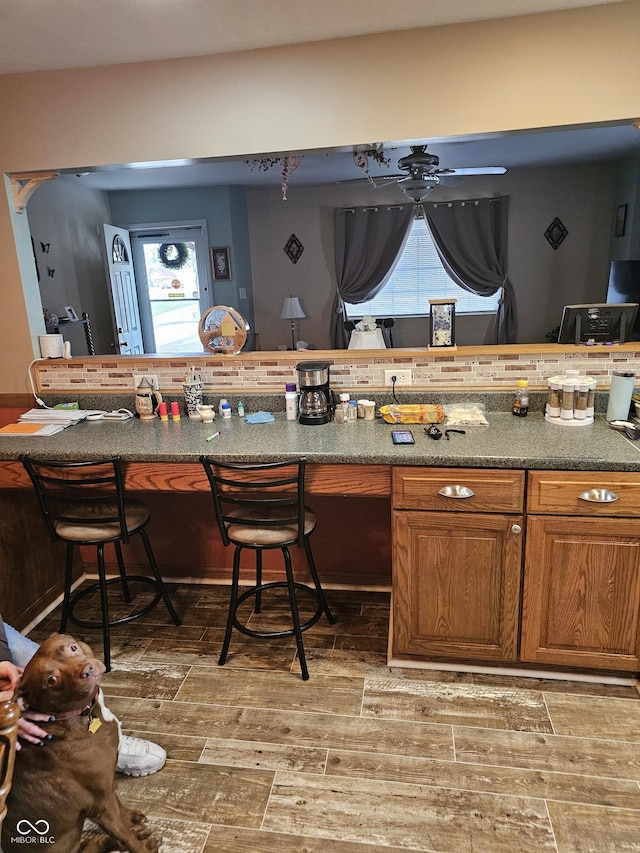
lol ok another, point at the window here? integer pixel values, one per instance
(417, 277)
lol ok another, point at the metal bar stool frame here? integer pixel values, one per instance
(75, 497)
(242, 508)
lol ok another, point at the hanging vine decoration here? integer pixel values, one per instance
(289, 164)
(362, 155)
(173, 255)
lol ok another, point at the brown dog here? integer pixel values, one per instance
(56, 786)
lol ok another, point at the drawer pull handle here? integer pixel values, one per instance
(599, 496)
(456, 492)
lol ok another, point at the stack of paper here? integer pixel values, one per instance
(23, 429)
(59, 417)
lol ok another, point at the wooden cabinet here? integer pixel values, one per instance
(456, 563)
(581, 597)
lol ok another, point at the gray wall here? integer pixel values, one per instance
(68, 218)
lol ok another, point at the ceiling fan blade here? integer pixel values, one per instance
(448, 181)
(476, 170)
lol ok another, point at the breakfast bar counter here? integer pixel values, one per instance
(507, 442)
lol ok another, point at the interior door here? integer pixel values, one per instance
(123, 291)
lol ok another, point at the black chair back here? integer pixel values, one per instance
(83, 493)
(248, 494)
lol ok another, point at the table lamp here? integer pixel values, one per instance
(292, 310)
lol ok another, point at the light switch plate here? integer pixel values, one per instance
(151, 377)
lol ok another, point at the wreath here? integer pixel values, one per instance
(173, 255)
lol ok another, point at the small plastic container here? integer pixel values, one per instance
(352, 411)
(344, 404)
(223, 402)
(226, 410)
(581, 400)
(240, 409)
(291, 401)
(554, 397)
(566, 410)
(521, 400)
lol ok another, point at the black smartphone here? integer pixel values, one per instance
(402, 436)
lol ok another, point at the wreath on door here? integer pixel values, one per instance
(173, 255)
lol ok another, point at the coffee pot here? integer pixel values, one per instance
(147, 400)
(317, 400)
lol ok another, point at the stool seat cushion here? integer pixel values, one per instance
(259, 534)
(136, 514)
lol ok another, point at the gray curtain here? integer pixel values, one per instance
(367, 242)
(471, 239)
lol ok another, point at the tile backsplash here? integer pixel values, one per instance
(466, 368)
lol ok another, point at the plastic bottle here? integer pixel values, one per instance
(352, 411)
(226, 410)
(291, 401)
(240, 408)
(521, 400)
(223, 402)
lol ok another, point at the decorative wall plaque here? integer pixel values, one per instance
(294, 248)
(556, 233)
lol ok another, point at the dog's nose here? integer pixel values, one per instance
(89, 670)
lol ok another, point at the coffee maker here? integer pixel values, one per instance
(317, 400)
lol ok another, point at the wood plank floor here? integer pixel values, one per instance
(362, 758)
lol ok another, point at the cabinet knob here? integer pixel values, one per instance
(598, 496)
(516, 528)
(456, 492)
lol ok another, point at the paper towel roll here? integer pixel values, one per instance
(51, 346)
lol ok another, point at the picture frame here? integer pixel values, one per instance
(621, 220)
(221, 263)
(71, 313)
(442, 324)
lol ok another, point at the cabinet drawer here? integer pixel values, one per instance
(487, 490)
(604, 493)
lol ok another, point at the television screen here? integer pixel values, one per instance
(598, 323)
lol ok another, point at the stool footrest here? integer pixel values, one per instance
(77, 597)
(288, 632)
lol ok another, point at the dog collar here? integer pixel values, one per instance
(79, 712)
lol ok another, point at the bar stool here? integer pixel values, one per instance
(261, 507)
(84, 503)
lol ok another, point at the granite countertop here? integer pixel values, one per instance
(507, 442)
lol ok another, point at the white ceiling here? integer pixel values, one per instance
(37, 35)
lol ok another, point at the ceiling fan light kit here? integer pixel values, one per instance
(421, 173)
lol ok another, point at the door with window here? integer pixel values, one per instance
(172, 274)
(123, 291)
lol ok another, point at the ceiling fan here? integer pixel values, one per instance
(420, 173)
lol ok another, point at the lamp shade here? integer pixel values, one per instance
(291, 309)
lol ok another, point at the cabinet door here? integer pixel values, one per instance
(456, 585)
(582, 592)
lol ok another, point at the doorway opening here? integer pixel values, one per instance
(171, 263)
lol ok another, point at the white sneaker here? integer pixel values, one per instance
(138, 757)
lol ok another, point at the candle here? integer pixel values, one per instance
(175, 411)
(162, 409)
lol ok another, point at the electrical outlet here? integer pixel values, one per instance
(402, 374)
(151, 377)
